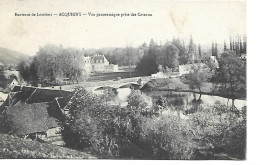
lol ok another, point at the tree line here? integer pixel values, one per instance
(237, 44)
(169, 56)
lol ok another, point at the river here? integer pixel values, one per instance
(178, 98)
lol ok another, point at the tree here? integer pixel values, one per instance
(23, 68)
(216, 49)
(171, 53)
(54, 63)
(147, 64)
(136, 100)
(183, 56)
(231, 44)
(91, 123)
(199, 50)
(232, 76)
(225, 46)
(244, 44)
(196, 78)
(212, 49)
(33, 70)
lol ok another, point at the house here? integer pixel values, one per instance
(37, 113)
(214, 61)
(56, 99)
(185, 69)
(8, 84)
(98, 63)
(32, 121)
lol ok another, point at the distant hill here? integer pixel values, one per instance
(11, 58)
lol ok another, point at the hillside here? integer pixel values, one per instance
(12, 147)
(11, 57)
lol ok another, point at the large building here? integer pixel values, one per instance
(99, 63)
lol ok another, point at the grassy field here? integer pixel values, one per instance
(174, 84)
(16, 148)
(111, 76)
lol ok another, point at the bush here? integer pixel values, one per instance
(114, 132)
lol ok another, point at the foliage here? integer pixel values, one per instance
(91, 122)
(109, 94)
(217, 128)
(169, 137)
(23, 68)
(136, 100)
(147, 64)
(231, 75)
(183, 55)
(28, 70)
(55, 62)
(197, 77)
(166, 56)
(114, 132)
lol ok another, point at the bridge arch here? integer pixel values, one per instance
(104, 89)
(130, 85)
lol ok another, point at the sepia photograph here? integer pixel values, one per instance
(124, 80)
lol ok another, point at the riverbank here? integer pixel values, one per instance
(175, 84)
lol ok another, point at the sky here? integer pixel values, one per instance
(205, 20)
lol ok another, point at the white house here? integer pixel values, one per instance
(98, 63)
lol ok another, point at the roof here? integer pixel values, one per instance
(30, 118)
(16, 88)
(51, 122)
(10, 100)
(21, 95)
(97, 58)
(26, 92)
(61, 102)
(48, 95)
(31, 95)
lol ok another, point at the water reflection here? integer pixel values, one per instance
(177, 99)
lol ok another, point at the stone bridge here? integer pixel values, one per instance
(117, 84)
(92, 86)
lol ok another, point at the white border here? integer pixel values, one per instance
(253, 85)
